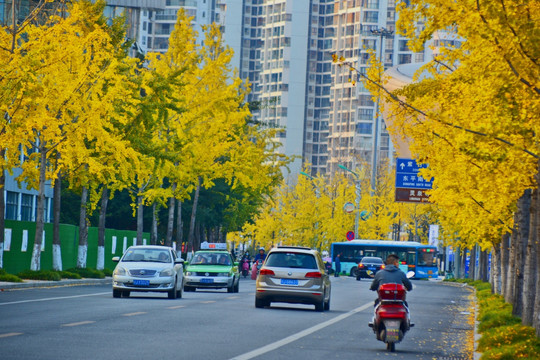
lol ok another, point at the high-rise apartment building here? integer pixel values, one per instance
(284, 48)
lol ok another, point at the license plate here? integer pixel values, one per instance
(392, 330)
(291, 282)
(141, 282)
(207, 281)
(372, 268)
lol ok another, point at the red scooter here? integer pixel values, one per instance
(392, 319)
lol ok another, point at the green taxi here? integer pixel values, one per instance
(212, 269)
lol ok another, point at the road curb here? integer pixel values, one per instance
(44, 284)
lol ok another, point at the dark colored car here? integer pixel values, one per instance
(368, 267)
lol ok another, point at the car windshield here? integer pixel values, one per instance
(372, 260)
(147, 255)
(291, 260)
(211, 259)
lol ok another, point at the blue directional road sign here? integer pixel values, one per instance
(407, 175)
(410, 187)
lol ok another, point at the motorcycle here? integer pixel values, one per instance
(392, 319)
(255, 269)
(245, 268)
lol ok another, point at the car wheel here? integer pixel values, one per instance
(126, 293)
(230, 289)
(320, 305)
(237, 286)
(358, 277)
(354, 272)
(327, 305)
(179, 293)
(260, 303)
(116, 293)
(172, 293)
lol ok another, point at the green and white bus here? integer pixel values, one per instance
(413, 256)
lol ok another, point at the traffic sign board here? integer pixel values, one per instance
(409, 185)
(350, 235)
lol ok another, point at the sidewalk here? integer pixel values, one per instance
(42, 284)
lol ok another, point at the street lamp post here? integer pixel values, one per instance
(358, 191)
(382, 32)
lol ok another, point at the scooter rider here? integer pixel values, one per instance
(391, 274)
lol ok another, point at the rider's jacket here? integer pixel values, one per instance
(390, 274)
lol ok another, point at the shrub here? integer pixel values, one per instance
(527, 350)
(107, 272)
(4, 276)
(88, 273)
(505, 335)
(69, 275)
(40, 275)
(496, 318)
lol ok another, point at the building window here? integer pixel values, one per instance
(12, 203)
(364, 128)
(27, 203)
(404, 59)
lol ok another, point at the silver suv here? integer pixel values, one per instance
(293, 274)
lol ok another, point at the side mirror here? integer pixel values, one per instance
(179, 261)
(236, 263)
(410, 274)
(116, 259)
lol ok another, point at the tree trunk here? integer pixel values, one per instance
(523, 215)
(154, 232)
(504, 263)
(510, 279)
(496, 269)
(536, 229)
(101, 229)
(83, 231)
(2, 209)
(472, 263)
(179, 226)
(57, 242)
(140, 209)
(170, 222)
(40, 223)
(482, 266)
(457, 262)
(193, 213)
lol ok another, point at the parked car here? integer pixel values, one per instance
(212, 269)
(369, 266)
(293, 275)
(148, 268)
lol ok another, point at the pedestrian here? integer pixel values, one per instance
(337, 264)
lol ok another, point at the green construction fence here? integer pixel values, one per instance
(19, 244)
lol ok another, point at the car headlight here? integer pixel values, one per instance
(189, 273)
(120, 271)
(166, 272)
(223, 274)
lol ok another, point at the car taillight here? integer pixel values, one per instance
(361, 265)
(266, 272)
(314, 274)
(382, 266)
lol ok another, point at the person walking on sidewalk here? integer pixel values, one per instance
(337, 263)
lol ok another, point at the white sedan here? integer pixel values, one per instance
(148, 268)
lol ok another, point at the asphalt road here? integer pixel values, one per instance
(86, 322)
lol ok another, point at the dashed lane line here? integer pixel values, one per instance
(176, 307)
(135, 313)
(9, 335)
(299, 335)
(53, 298)
(208, 302)
(79, 323)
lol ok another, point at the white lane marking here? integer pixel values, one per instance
(176, 307)
(232, 297)
(208, 302)
(135, 313)
(79, 323)
(299, 335)
(9, 334)
(54, 298)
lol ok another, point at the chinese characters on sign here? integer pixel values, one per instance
(410, 187)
